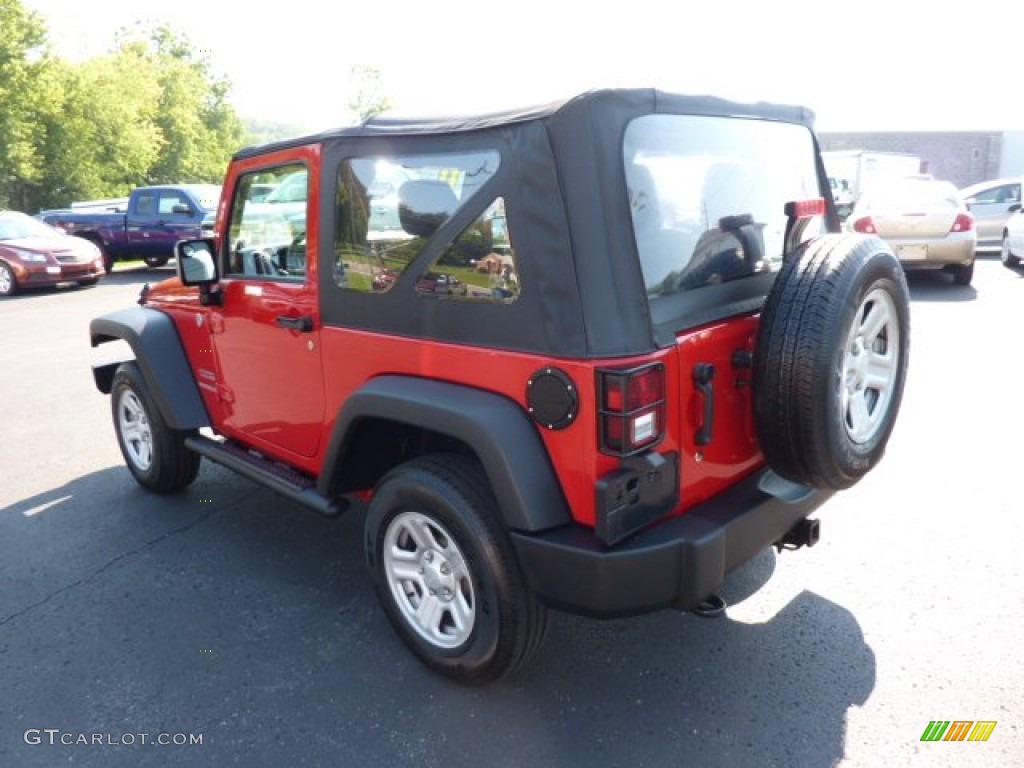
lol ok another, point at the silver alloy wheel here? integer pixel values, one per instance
(429, 579)
(6, 280)
(133, 423)
(870, 366)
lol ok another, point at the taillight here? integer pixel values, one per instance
(865, 226)
(803, 209)
(964, 223)
(631, 408)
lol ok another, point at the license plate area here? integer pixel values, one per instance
(912, 252)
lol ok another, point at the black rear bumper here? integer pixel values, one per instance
(676, 564)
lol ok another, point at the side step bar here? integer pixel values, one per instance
(268, 473)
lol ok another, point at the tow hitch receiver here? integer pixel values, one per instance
(806, 532)
(711, 607)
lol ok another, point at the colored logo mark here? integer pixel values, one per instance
(958, 730)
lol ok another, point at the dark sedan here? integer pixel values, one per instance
(33, 253)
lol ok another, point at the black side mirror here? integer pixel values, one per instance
(182, 208)
(196, 266)
(1014, 208)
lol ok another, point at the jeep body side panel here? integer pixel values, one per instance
(495, 428)
(154, 339)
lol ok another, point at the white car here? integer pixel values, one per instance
(1013, 238)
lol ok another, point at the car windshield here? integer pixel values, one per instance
(15, 226)
(907, 194)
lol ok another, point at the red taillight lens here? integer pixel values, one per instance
(964, 223)
(632, 409)
(865, 226)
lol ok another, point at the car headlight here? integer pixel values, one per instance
(29, 256)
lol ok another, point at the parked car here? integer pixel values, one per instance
(610, 438)
(34, 254)
(925, 221)
(990, 203)
(1012, 248)
(155, 219)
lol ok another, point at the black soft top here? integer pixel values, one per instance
(563, 177)
(571, 113)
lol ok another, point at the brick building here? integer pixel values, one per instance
(962, 157)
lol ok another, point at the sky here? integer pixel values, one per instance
(869, 65)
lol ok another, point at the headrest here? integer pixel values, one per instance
(424, 205)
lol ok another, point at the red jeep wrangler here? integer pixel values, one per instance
(660, 359)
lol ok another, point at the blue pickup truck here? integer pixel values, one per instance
(156, 218)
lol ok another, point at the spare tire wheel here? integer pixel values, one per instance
(830, 360)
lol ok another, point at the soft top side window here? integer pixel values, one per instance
(389, 207)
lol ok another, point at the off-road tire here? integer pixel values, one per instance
(827, 382)
(155, 454)
(446, 497)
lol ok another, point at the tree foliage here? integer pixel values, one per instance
(148, 112)
(368, 96)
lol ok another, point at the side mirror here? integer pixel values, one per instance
(182, 209)
(195, 262)
(1015, 208)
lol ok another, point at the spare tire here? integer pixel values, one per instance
(830, 360)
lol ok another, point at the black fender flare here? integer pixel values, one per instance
(159, 354)
(495, 428)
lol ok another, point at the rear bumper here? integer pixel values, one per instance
(676, 564)
(954, 249)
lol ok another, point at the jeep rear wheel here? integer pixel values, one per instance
(155, 453)
(831, 359)
(446, 573)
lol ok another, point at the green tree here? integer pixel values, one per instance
(198, 128)
(105, 140)
(368, 97)
(28, 93)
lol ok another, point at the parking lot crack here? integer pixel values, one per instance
(107, 565)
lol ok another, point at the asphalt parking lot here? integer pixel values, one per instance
(231, 614)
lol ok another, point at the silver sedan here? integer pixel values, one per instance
(924, 221)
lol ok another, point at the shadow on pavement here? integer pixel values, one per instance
(936, 285)
(230, 612)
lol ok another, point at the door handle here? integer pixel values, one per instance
(302, 324)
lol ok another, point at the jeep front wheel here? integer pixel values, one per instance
(155, 453)
(831, 360)
(446, 573)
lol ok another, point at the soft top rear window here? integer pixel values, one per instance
(707, 197)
